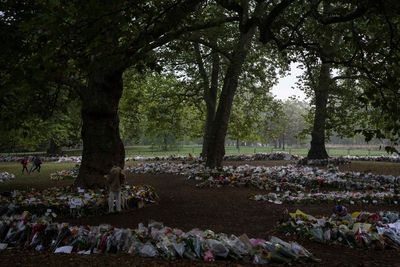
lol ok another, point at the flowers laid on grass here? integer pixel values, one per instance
(5, 176)
(68, 201)
(155, 240)
(347, 197)
(263, 156)
(298, 176)
(65, 174)
(291, 183)
(395, 159)
(359, 229)
(241, 157)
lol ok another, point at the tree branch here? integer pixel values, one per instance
(230, 5)
(347, 77)
(202, 70)
(326, 20)
(143, 46)
(266, 23)
(213, 46)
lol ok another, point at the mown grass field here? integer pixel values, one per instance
(24, 181)
(231, 150)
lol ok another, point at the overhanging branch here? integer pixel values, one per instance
(326, 20)
(140, 47)
(213, 46)
(266, 23)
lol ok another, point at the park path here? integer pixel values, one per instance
(184, 206)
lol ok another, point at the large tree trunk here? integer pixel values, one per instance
(317, 149)
(209, 92)
(210, 115)
(216, 145)
(102, 145)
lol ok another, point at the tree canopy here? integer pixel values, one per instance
(220, 51)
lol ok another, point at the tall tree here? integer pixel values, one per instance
(331, 34)
(223, 59)
(321, 93)
(328, 45)
(378, 39)
(347, 54)
(210, 91)
(99, 41)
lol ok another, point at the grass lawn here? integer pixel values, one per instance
(24, 181)
(231, 150)
(34, 180)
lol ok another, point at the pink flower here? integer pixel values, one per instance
(208, 256)
(256, 241)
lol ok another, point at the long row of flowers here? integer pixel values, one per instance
(69, 201)
(241, 157)
(262, 177)
(292, 183)
(334, 197)
(155, 240)
(359, 229)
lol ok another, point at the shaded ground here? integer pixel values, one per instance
(226, 209)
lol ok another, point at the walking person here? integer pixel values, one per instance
(114, 180)
(36, 164)
(24, 163)
(33, 164)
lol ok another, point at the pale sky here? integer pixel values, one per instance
(287, 85)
